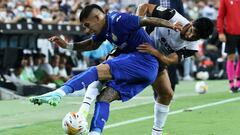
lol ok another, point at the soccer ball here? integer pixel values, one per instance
(74, 124)
(201, 87)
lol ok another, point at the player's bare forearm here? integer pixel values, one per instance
(171, 59)
(86, 45)
(166, 60)
(145, 9)
(156, 22)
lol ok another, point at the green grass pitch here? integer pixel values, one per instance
(215, 113)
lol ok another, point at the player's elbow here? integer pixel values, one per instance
(171, 59)
(169, 62)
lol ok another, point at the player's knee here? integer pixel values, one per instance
(166, 94)
(170, 93)
(103, 98)
(104, 72)
(108, 95)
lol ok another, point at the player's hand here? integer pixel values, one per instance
(146, 48)
(177, 26)
(56, 40)
(51, 98)
(222, 37)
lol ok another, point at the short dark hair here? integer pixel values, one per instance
(204, 27)
(87, 10)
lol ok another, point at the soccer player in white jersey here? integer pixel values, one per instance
(172, 47)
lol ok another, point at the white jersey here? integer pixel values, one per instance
(168, 41)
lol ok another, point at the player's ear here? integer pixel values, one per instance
(97, 17)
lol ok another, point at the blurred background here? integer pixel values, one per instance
(28, 61)
(31, 65)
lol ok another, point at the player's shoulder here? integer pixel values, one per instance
(117, 17)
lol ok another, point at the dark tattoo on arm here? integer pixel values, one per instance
(158, 22)
(108, 94)
(86, 45)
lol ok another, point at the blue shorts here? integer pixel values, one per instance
(132, 73)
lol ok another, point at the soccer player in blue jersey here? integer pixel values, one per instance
(129, 73)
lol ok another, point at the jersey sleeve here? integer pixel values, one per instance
(98, 38)
(185, 53)
(160, 12)
(127, 22)
(164, 13)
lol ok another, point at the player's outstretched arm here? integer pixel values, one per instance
(158, 22)
(85, 45)
(166, 60)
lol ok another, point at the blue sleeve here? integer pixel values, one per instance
(127, 22)
(98, 38)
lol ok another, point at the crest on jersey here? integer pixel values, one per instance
(160, 8)
(114, 37)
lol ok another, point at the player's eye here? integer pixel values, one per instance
(86, 25)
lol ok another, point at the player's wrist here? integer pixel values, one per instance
(70, 46)
(154, 52)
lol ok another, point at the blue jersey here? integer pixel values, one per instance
(124, 31)
(132, 71)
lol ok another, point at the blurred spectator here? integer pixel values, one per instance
(27, 73)
(131, 9)
(208, 11)
(62, 67)
(115, 5)
(55, 60)
(73, 19)
(37, 61)
(45, 72)
(45, 14)
(191, 10)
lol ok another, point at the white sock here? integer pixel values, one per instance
(90, 95)
(94, 133)
(160, 117)
(60, 91)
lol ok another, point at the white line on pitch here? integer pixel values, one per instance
(171, 113)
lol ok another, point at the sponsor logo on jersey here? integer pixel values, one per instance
(118, 18)
(160, 8)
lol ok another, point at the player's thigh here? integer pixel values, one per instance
(133, 67)
(108, 94)
(162, 84)
(104, 72)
